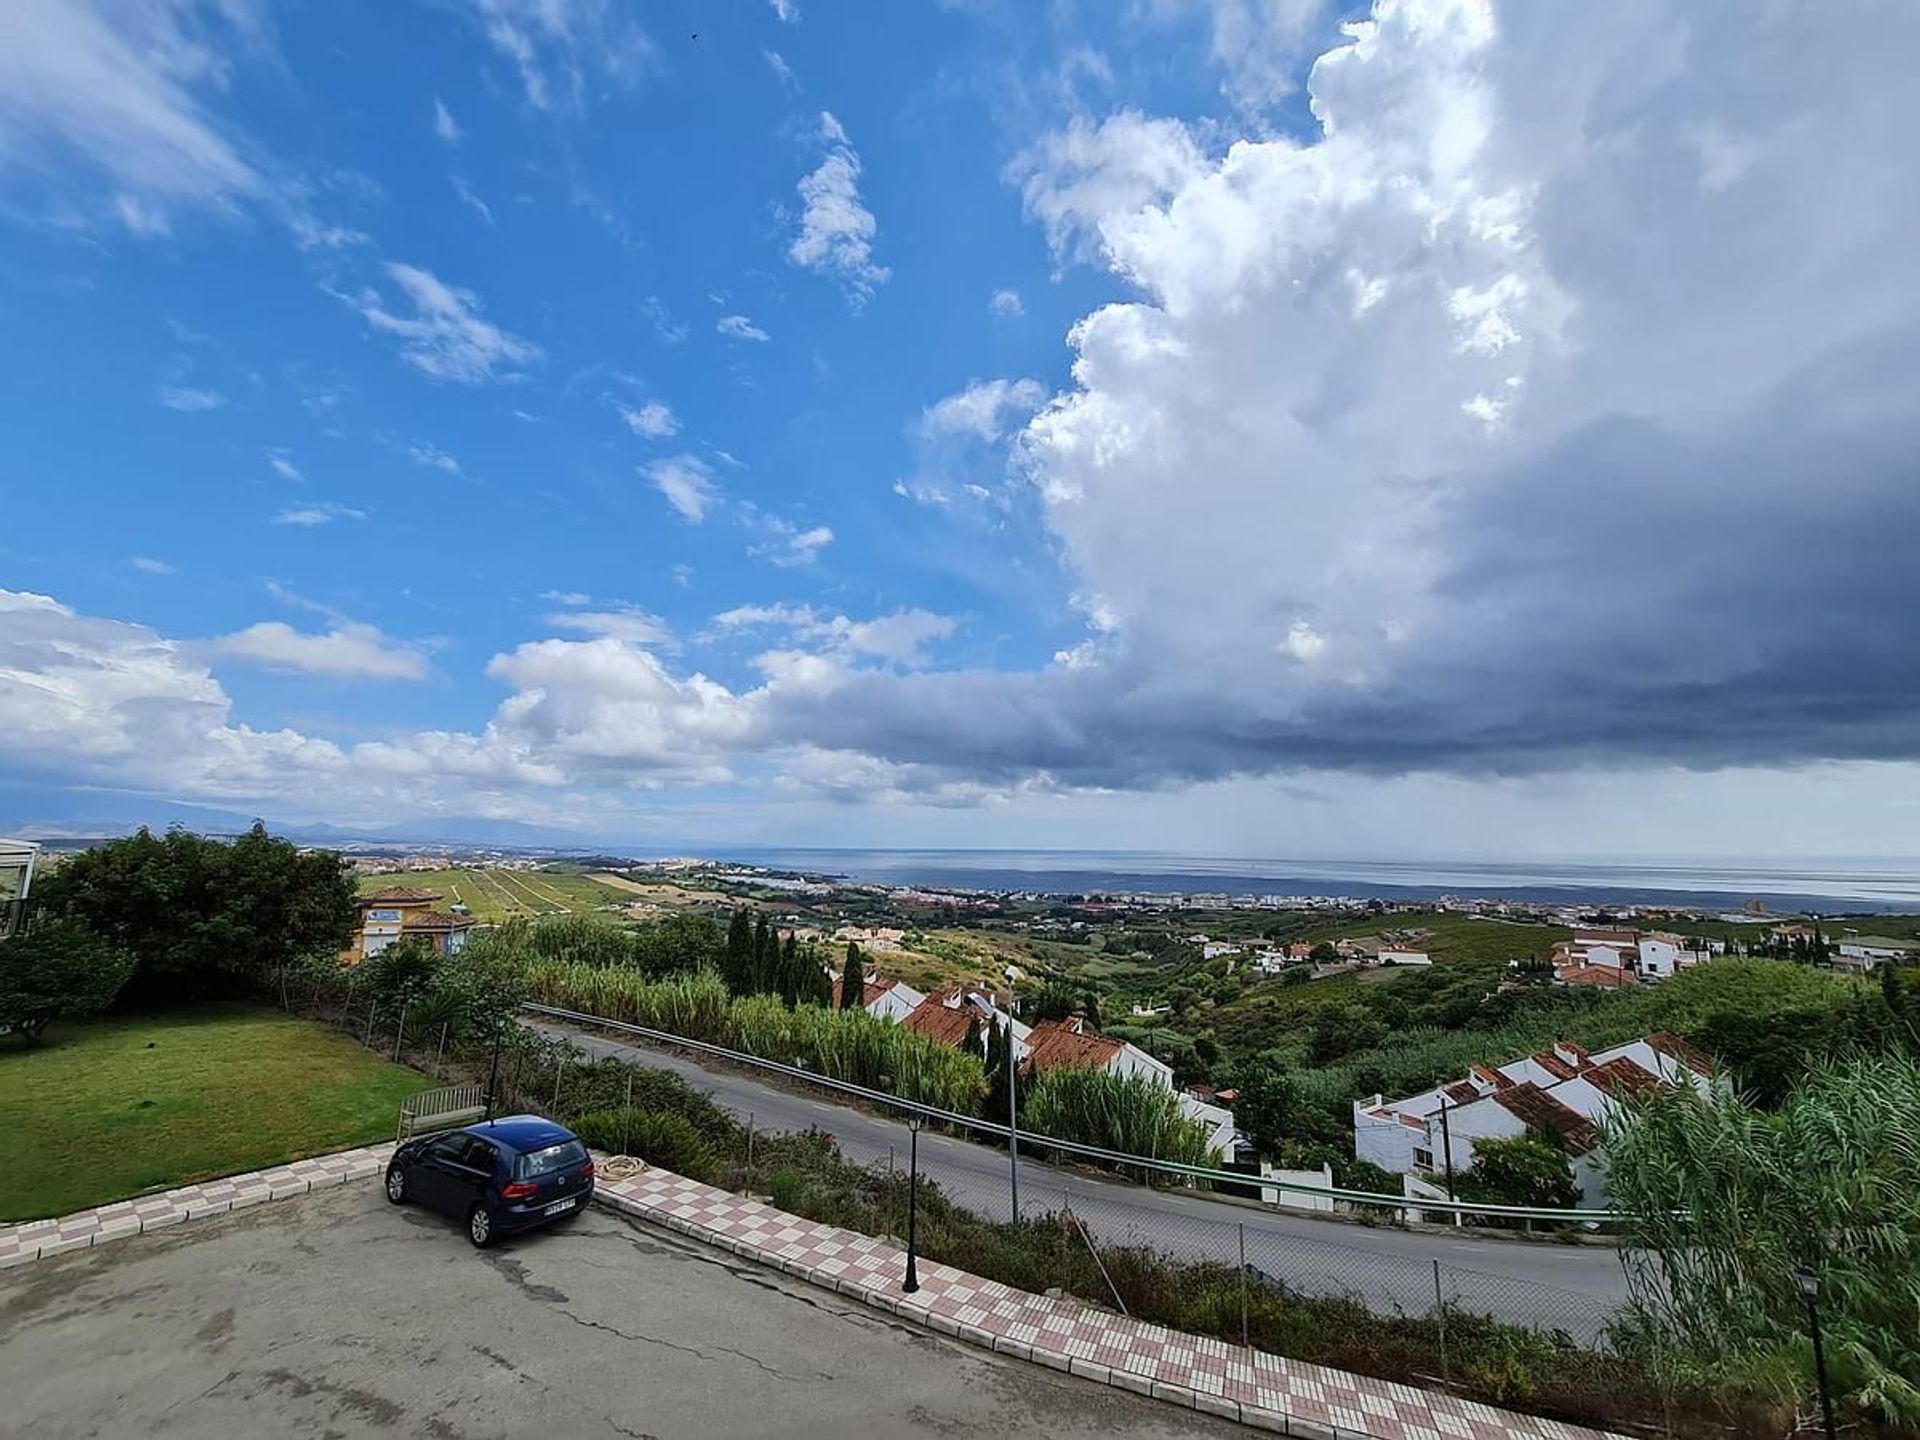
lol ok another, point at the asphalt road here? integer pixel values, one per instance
(1550, 1285)
(336, 1315)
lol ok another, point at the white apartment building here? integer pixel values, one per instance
(1564, 1091)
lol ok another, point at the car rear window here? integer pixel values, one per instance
(565, 1155)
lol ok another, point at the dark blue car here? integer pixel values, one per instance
(499, 1177)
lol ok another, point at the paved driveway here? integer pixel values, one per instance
(335, 1315)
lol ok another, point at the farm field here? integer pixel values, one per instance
(495, 894)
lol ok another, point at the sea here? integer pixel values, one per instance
(1837, 886)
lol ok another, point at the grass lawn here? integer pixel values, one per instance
(120, 1107)
(496, 894)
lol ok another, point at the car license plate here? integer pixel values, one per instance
(560, 1205)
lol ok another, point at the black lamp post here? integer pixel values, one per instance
(913, 1194)
(1809, 1284)
(493, 1065)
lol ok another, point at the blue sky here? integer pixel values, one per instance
(1184, 423)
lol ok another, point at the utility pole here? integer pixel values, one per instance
(1013, 1115)
(1446, 1138)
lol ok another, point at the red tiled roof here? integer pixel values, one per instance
(1461, 1093)
(1554, 1065)
(400, 895)
(1053, 1045)
(871, 991)
(940, 1024)
(1537, 1110)
(1492, 1077)
(1691, 1056)
(435, 920)
(1620, 1074)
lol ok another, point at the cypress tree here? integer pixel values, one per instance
(792, 980)
(853, 979)
(739, 962)
(765, 956)
(972, 1043)
(820, 978)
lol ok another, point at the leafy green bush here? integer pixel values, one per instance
(57, 970)
(666, 1140)
(787, 1188)
(605, 1085)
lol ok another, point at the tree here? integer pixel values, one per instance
(792, 980)
(1520, 1171)
(1323, 953)
(57, 970)
(206, 917)
(972, 1043)
(1277, 1114)
(737, 969)
(402, 972)
(853, 980)
(766, 957)
(1340, 1030)
(1090, 1007)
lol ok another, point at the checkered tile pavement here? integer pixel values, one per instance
(1258, 1389)
(41, 1239)
(1261, 1390)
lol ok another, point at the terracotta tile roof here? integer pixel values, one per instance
(1052, 1044)
(1492, 1077)
(1620, 1074)
(1604, 937)
(871, 991)
(400, 895)
(1691, 1056)
(1461, 1093)
(1537, 1110)
(939, 1023)
(1554, 1065)
(435, 920)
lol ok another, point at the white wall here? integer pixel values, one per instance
(1293, 1199)
(1132, 1060)
(897, 1003)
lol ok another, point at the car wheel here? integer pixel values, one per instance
(396, 1185)
(480, 1226)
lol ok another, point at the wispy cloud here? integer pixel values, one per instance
(186, 398)
(445, 336)
(278, 462)
(789, 545)
(653, 420)
(324, 513)
(147, 565)
(348, 651)
(687, 482)
(1007, 302)
(782, 71)
(787, 10)
(836, 228)
(627, 623)
(553, 43)
(472, 201)
(739, 327)
(422, 452)
(444, 125)
(666, 329)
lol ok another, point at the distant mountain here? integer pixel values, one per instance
(34, 812)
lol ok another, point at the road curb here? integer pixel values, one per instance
(32, 1240)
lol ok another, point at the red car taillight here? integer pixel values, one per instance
(520, 1190)
(587, 1173)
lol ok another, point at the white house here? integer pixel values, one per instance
(1214, 949)
(891, 999)
(1659, 954)
(1866, 952)
(1564, 1091)
(16, 880)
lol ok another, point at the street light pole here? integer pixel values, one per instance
(912, 1282)
(1013, 1117)
(493, 1067)
(1809, 1284)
